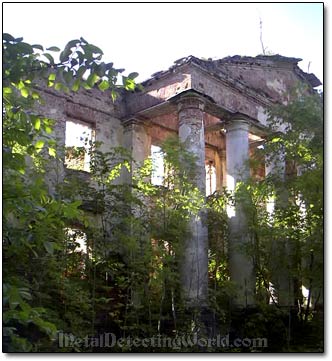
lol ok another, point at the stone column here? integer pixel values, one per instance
(275, 168)
(222, 155)
(194, 267)
(237, 167)
(137, 141)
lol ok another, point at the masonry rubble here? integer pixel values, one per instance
(218, 108)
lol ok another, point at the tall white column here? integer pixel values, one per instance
(237, 152)
(237, 167)
(275, 168)
(194, 268)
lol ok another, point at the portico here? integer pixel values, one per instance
(218, 110)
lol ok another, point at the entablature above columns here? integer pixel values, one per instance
(221, 99)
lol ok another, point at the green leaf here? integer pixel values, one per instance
(129, 84)
(86, 86)
(59, 87)
(83, 40)
(7, 37)
(24, 48)
(25, 92)
(76, 85)
(72, 43)
(49, 57)
(48, 129)
(81, 71)
(53, 48)
(35, 95)
(20, 85)
(49, 247)
(92, 79)
(104, 85)
(37, 124)
(100, 69)
(52, 77)
(7, 90)
(64, 55)
(109, 66)
(114, 95)
(37, 46)
(96, 50)
(39, 145)
(68, 76)
(93, 49)
(52, 152)
(275, 140)
(133, 75)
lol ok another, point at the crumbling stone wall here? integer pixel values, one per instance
(91, 107)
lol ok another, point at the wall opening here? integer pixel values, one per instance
(211, 178)
(76, 240)
(158, 165)
(158, 170)
(79, 138)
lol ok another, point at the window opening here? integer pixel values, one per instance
(79, 137)
(211, 178)
(77, 240)
(158, 165)
(158, 170)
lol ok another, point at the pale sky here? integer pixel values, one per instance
(147, 38)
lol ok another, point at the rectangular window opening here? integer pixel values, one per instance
(76, 240)
(211, 178)
(158, 166)
(79, 138)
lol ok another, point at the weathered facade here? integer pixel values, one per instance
(218, 110)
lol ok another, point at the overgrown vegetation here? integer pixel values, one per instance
(83, 259)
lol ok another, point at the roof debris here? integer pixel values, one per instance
(216, 66)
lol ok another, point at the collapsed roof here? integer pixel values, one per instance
(222, 66)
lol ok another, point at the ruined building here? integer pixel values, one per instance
(218, 110)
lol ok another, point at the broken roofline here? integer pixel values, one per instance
(260, 60)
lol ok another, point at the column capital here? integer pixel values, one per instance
(237, 124)
(130, 123)
(190, 100)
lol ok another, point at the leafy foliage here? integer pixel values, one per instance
(44, 291)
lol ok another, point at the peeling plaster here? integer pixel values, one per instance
(277, 85)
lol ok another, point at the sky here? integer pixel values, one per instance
(147, 38)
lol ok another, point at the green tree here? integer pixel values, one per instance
(43, 287)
